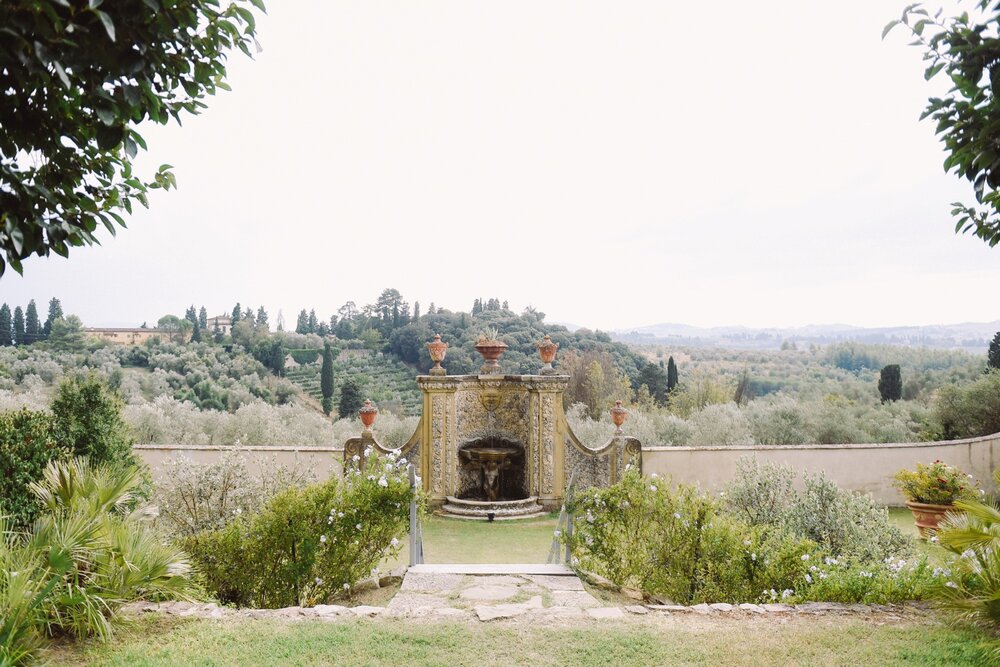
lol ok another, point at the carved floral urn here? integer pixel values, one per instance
(618, 416)
(437, 349)
(368, 413)
(547, 351)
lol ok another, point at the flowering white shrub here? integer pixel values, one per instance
(192, 497)
(308, 545)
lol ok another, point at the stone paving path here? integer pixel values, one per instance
(494, 592)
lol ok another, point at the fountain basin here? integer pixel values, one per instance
(525, 508)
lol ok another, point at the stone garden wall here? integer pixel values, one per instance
(323, 461)
(868, 468)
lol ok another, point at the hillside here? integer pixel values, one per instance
(389, 383)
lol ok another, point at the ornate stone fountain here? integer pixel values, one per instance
(499, 445)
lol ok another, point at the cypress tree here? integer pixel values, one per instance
(326, 379)
(993, 357)
(672, 376)
(350, 399)
(302, 322)
(277, 358)
(262, 319)
(196, 333)
(191, 315)
(416, 311)
(890, 383)
(18, 326)
(203, 318)
(312, 323)
(655, 380)
(32, 327)
(55, 312)
(237, 314)
(6, 327)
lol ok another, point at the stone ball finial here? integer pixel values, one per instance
(368, 412)
(618, 416)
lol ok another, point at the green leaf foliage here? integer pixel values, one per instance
(77, 80)
(27, 444)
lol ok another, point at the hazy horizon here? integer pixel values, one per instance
(611, 165)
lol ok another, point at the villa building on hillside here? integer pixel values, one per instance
(128, 336)
(220, 323)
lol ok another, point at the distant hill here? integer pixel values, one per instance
(969, 336)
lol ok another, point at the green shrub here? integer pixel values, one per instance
(843, 524)
(27, 444)
(971, 410)
(85, 556)
(304, 356)
(891, 581)
(309, 544)
(88, 420)
(678, 544)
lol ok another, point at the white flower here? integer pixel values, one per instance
(358, 526)
(394, 543)
(746, 543)
(823, 575)
(347, 587)
(319, 582)
(355, 458)
(677, 515)
(383, 482)
(805, 556)
(371, 478)
(809, 579)
(340, 515)
(933, 539)
(654, 476)
(652, 488)
(322, 539)
(788, 592)
(556, 533)
(813, 568)
(753, 556)
(951, 584)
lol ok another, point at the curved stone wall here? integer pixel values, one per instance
(868, 468)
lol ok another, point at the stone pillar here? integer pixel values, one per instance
(435, 441)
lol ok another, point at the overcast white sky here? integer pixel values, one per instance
(613, 164)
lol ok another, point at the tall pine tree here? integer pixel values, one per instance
(312, 322)
(32, 326)
(6, 327)
(262, 319)
(326, 379)
(55, 312)
(302, 322)
(203, 318)
(191, 315)
(237, 314)
(195, 332)
(416, 311)
(993, 357)
(18, 326)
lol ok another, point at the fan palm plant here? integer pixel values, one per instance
(973, 591)
(83, 558)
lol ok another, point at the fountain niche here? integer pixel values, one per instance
(491, 481)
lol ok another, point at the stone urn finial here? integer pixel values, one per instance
(491, 347)
(437, 349)
(368, 413)
(618, 416)
(547, 351)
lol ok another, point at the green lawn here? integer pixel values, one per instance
(461, 541)
(662, 641)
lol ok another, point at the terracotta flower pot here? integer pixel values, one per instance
(437, 350)
(368, 414)
(927, 516)
(491, 351)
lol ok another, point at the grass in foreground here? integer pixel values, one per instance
(677, 641)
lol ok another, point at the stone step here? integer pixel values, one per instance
(493, 568)
(500, 509)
